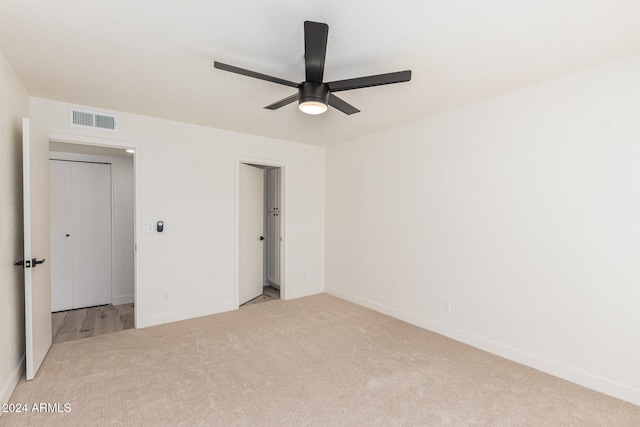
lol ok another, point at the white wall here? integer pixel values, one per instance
(522, 210)
(186, 176)
(14, 105)
(122, 185)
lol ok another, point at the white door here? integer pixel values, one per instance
(273, 190)
(251, 229)
(37, 274)
(61, 238)
(81, 270)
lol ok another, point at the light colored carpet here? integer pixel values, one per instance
(312, 361)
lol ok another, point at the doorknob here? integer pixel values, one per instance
(30, 263)
(262, 237)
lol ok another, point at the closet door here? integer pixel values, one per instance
(91, 233)
(273, 190)
(273, 248)
(61, 249)
(81, 272)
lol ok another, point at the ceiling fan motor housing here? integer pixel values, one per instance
(313, 92)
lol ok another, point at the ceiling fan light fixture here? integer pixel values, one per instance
(313, 97)
(312, 107)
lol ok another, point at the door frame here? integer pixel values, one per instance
(283, 203)
(82, 140)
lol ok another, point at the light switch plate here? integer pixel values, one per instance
(149, 227)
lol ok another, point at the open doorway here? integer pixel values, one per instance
(260, 233)
(92, 240)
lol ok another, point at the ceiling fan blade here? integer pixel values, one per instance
(315, 50)
(377, 80)
(339, 104)
(249, 73)
(286, 101)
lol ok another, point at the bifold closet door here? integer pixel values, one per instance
(61, 249)
(81, 234)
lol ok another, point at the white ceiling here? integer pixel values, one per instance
(155, 57)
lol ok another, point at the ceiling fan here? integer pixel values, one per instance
(313, 94)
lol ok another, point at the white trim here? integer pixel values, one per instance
(301, 293)
(72, 138)
(585, 379)
(176, 316)
(10, 385)
(122, 299)
(113, 234)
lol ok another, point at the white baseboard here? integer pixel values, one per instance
(303, 293)
(122, 299)
(560, 370)
(146, 321)
(12, 382)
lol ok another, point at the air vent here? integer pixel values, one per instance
(81, 118)
(92, 119)
(105, 122)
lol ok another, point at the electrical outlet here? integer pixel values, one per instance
(167, 296)
(446, 305)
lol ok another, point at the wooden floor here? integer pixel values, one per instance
(88, 322)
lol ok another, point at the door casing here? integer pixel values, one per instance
(83, 141)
